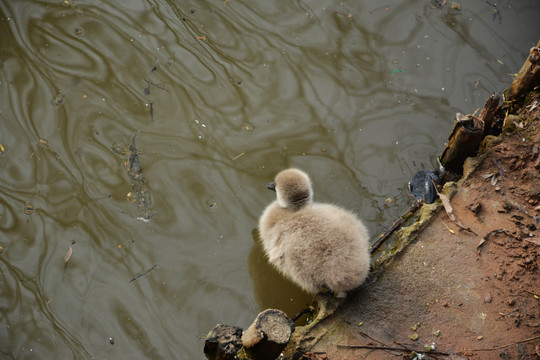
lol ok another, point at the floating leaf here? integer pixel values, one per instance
(68, 254)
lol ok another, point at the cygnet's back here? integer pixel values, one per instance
(318, 246)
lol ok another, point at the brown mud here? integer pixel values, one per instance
(468, 295)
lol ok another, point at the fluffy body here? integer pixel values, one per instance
(318, 246)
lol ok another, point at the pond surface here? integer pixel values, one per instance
(103, 259)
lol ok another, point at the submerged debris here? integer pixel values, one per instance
(58, 99)
(139, 194)
(138, 185)
(147, 90)
(438, 3)
(496, 11)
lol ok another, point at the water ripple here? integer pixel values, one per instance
(221, 95)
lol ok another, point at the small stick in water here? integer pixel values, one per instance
(144, 273)
(156, 85)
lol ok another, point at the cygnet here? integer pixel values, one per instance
(318, 246)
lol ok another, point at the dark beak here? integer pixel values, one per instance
(271, 186)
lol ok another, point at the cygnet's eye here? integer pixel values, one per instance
(271, 186)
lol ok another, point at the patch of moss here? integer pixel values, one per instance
(509, 124)
(489, 142)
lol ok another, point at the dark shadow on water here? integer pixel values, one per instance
(273, 290)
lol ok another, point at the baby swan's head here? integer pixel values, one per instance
(293, 189)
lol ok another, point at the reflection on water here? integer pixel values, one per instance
(222, 95)
(272, 290)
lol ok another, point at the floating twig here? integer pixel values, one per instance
(237, 156)
(379, 8)
(144, 273)
(156, 85)
(146, 218)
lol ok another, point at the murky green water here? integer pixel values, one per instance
(222, 95)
